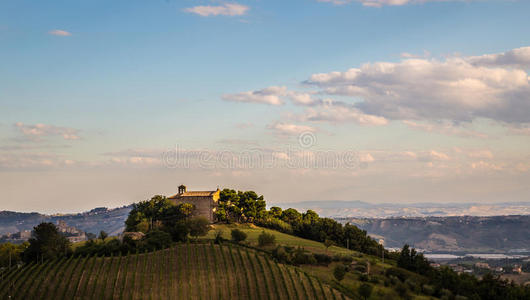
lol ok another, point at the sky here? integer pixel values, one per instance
(106, 103)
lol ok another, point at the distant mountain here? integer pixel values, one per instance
(360, 209)
(451, 234)
(95, 220)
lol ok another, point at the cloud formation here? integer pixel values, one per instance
(225, 9)
(457, 89)
(59, 32)
(516, 58)
(340, 112)
(290, 129)
(38, 131)
(271, 95)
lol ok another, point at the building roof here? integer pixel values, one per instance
(194, 194)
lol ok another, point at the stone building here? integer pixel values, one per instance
(205, 201)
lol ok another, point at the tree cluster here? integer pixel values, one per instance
(47, 243)
(444, 282)
(160, 214)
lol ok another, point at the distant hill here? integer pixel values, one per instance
(95, 220)
(360, 209)
(186, 271)
(454, 234)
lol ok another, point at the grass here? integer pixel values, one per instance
(253, 232)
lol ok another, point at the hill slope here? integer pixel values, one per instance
(198, 271)
(110, 220)
(499, 233)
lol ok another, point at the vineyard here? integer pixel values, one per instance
(185, 271)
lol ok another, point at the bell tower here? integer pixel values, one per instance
(182, 189)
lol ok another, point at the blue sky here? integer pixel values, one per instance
(430, 96)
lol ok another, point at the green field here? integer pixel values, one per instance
(281, 238)
(185, 271)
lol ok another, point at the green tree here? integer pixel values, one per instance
(339, 272)
(266, 239)
(10, 253)
(238, 235)
(156, 239)
(328, 243)
(276, 212)
(365, 290)
(291, 216)
(198, 226)
(48, 243)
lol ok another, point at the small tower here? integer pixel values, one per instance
(182, 189)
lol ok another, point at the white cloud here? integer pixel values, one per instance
(290, 129)
(301, 98)
(366, 157)
(59, 32)
(226, 9)
(37, 131)
(339, 112)
(271, 95)
(485, 166)
(453, 89)
(517, 58)
(410, 55)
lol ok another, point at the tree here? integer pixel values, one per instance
(339, 272)
(48, 243)
(276, 212)
(328, 243)
(365, 290)
(291, 216)
(266, 239)
(238, 235)
(103, 235)
(157, 239)
(10, 254)
(198, 226)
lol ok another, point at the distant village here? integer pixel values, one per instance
(73, 234)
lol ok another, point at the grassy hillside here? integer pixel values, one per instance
(281, 238)
(198, 271)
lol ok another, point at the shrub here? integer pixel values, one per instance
(179, 231)
(156, 239)
(218, 237)
(265, 239)
(339, 272)
(365, 290)
(198, 226)
(402, 290)
(276, 224)
(322, 259)
(281, 254)
(397, 273)
(301, 257)
(428, 289)
(364, 277)
(238, 235)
